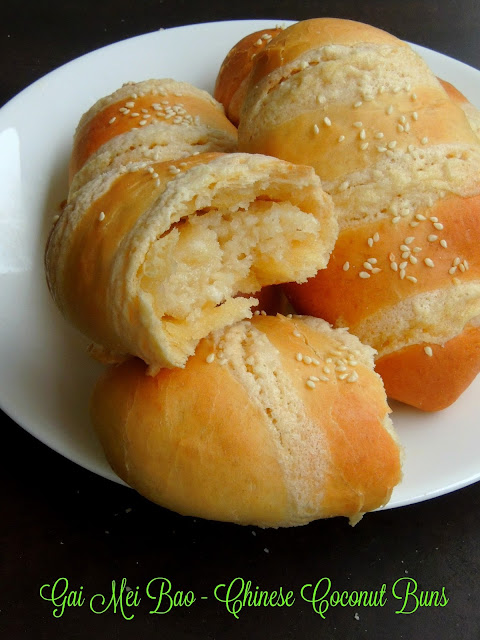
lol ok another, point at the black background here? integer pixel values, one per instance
(58, 520)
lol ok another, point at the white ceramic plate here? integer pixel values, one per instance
(45, 375)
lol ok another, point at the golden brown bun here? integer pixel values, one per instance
(401, 160)
(148, 259)
(154, 120)
(255, 442)
(232, 80)
(439, 374)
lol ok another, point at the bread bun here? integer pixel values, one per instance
(233, 77)
(273, 422)
(154, 120)
(148, 259)
(402, 163)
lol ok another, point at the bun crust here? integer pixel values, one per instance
(153, 120)
(232, 80)
(253, 443)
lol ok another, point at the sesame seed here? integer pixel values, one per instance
(321, 99)
(406, 127)
(310, 384)
(157, 182)
(370, 242)
(413, 259)
(429, 262)
(413, 96)
(412, 279)
(124, 110)
(414, 223)
(409, 240)
(376, 236)
(432, 237)
(358, 104)
(112, 120)
(210, 358)
(417, 249)
(420, 217)
(353, 377)
(406, 254)
(379, 135)
(342, 376)
(367, 266)
(403, 265)
(438, 225)
(391, 257)
(396, 219)
(316, 129)
(402, 274)
(372, 260)
(428, 351)
(461, 266)
(307, 359)
(142, 122)
(327, 121)
(340, 367)
(341, 138)
(466, 264)
(443, 243)
(410, 148)
(452, 270)
(266, 37)
(424, 140)
(456, 262)
(346, 266)
(101, 216)
(324, 379)
(400, 128)
(402, 119)
(326, 370)
(376, 270)
(55, 218)
(392, 144)
(415, 115)
(364, 274)
(130, 105)
(315, 362)
(358, 124)
(299, 357)
(364, 146)
(344, 186)
(314, 379)
(258, 43)
(296, 333)
(389, 109)
(362, 135)
(381, 149)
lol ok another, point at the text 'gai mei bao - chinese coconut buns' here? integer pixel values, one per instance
(397, 151)
(273, 422)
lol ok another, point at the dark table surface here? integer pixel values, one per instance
(61, 522)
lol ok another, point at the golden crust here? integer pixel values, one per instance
(253, 444)
(232, 80)
(160, 111)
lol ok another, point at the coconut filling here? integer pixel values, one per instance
(200, 273)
